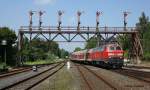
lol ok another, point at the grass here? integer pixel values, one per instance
(62, 80)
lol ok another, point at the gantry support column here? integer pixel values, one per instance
(137, 49)
(20, 45)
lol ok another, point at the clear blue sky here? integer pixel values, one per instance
(14, 13)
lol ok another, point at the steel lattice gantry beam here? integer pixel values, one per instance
(70, 32)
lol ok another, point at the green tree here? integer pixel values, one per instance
(91, 43)
(77, 49)
(54, 47)
(63, 53)
(10, 36)
(39, 49)
(143, 27)
(124, 41)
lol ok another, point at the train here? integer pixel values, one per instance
(108, 55)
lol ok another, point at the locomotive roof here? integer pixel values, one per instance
(78, 52)
(100, 48)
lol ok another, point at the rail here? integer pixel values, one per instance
(134, 74)
(98, 76)
(26, 80)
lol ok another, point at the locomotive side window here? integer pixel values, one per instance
(118, 48)
(101, 48)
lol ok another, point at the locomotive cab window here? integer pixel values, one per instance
(118, 48)
(100, 49)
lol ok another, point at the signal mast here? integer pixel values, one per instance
(125, 14)
(79, 13)
(40, 18)
(60, 13)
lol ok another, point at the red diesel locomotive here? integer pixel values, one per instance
(109, 55)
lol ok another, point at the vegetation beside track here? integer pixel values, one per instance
(32, 51)
(42, 62)
(62, 80)
(2, 65)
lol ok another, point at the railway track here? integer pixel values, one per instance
(15, 72)
(139, 75)
(99, 77)
(32, 81)
(84, 78)
(21, 70)
(138, 67)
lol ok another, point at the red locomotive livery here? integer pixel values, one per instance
(105, 55)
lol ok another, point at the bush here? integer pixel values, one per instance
(126, 54)
(147, 56)
(3, 67)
